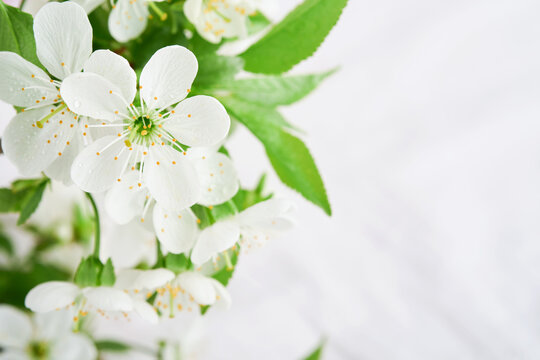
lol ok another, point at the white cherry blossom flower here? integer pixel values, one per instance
(149, 136)
(140, 285)
(188, 291)
(251, 227)
(45, 136)
(217, 19)
(45, 336)
(57, 295)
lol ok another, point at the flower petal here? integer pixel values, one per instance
(23, 83)
(176, 231)
(98, 167)
(126, 199)
(31, 148)
(114, 68)
(222, 293)
(93, 95)
(170, 178)
(63, 38)
(108, 299)
(14, 354)
(127, 19)
(73, 346)
(145, 311)
(215, 239)
(51, 295)
(199, 121)
(199, 286)
(134, 279)
(60, 169)
(269, 216)
(167, 77)
(15, 327)
(217, 176)
(89, 5)
(53, 324)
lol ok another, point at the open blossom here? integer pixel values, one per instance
(175, 229)
(188, 291)
(128, 18)
(45, 136)
(217, 19)
(148, 136)
(251, 227)
(45, 336)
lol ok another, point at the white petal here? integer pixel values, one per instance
(215, 239)
(32, 149)
(200, 287)
(128, 245)
(116, 69)
(63, 38)
(51, 295)
(125, 200)
(89, 5)
(93, 95)
(128, 19)
(193, 10)
(131, 279)
(269, 216)
(100, 165)
(53, 324)
(217, 176)
(170, 178)
(14, 354)
(145, 311)
(176, 231)
(60, 169)
(167, 77)
(73, 346)
(18, 74)
(108, 299)
(224, 296)
(15, 327)
(199, 121)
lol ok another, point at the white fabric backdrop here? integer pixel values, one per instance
(428, 141)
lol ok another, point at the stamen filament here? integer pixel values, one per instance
(40, 123)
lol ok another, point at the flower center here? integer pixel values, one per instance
(38, 350)
(144, 130)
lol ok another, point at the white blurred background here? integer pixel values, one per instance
(428, 140)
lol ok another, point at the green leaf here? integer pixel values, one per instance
(111, 346)
(295, 38)
(107, 277)
(5, 244)
(7, 200)
(225, 274)
(214, 69)
(88, 272)
(316, 354)
(288, 154)
(273, 91)
(17, 33)
(32, 202)
(176, 262)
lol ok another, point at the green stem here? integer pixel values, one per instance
(97, 228)
(209, 215)
(22, 4)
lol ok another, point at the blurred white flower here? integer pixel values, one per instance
(128, 18)
(253, 226)
(56, 295)
(45, 136)
(46, 336)
(188, 291)
(217, 19)
(148, 136)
